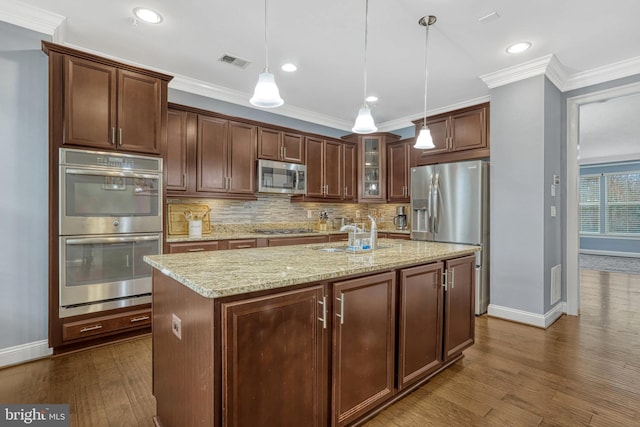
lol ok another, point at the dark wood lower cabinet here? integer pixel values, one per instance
(364, 345)
(459, 306)
(274, 360)
(420, 318)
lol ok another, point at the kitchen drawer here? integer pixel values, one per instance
(339, 237)
(286, 241)
(106, 324)
(184, 247)
(242, 244)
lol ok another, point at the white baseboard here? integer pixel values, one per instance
(25, 352)
(528, 318)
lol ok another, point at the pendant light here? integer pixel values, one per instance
(364, 122)
(424, 140)
(266, 94)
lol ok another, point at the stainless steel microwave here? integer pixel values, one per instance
(281, 177)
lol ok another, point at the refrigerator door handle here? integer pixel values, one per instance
(430, 206)
(436, 204)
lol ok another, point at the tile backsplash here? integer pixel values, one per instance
(276, 208)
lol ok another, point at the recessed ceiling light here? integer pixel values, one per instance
(371, 98)
(518, 47)
(289, 67)
(147, 15)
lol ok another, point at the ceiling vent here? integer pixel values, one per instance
(238, 62)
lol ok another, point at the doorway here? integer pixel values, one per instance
(572, 206)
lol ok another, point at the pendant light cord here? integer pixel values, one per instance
(366, 20)
(426, 73)
(266, 56)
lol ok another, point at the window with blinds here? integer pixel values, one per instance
(622, 203)
(590, 204)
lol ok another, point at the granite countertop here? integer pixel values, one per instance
(215, 274)
(248, 234)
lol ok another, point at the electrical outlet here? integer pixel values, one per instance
(357, 214)
(309, 214)
(176, 326)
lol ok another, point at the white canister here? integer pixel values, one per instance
(195, 228)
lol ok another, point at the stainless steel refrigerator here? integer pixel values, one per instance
(450, 203)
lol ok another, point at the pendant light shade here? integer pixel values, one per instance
(364, 122)
(424, 140)
(266, 94)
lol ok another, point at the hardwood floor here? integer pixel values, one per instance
(581, 371)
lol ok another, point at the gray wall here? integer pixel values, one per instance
(24, 208)
(552, 166)
(517, 195)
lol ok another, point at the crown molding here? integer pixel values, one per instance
(33, 18)
(199, 87)
(617, 70)
(523, 71)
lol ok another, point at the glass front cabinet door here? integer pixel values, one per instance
(372, 165)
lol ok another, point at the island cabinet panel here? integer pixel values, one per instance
(459, 309)
(420, 322)
(363, 355)
(274, 359)
(185, 368)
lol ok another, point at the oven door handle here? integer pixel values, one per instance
(111, 173)
(92, 240)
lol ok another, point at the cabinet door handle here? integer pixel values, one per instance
(184, 179)
(345, 191)
(453, 278)
(120, 137)
(196, 250)
(444, 280)
(91, 328)
(284, 152)
(139, 319)
(341, 315)
(323, 319)
(113, 136)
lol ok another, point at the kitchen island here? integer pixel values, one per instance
(303, 335)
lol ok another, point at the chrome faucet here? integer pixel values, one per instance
(373, 239)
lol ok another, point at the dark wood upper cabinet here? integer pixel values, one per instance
(458, 135)
(209, 156)
(212, 145)
(349, 172)
(399, 162)
(324, 169)
(275, 356)
(280, 145)
(106, 105)
(176, 160)
(364, 345)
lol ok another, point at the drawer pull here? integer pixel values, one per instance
(243, 246)
(139, 319)
(196, 250)
(90, 328)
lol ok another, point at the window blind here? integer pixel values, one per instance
(623, 203)
(590, 204)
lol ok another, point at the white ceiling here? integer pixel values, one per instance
(326, 40)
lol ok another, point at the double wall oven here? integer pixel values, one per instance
(110, 218)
